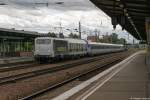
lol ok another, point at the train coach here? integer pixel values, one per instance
(95, 48)
(76, 47)
(49, 49)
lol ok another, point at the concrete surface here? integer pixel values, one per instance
(15, 60)
(131, 83)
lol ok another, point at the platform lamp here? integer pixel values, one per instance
(114, 17)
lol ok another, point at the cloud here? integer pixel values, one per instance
(36, 15)
(30, 16)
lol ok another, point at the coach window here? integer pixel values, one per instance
(69, 47)
(78, 47)
(103, 46)
(72, 47)
(75, 47)
(94, 46)
(83, 47)
(99, 47)
(106, 47)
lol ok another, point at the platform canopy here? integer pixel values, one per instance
(17, 34)
(130, 14)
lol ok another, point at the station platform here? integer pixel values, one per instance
(128, 80)
(130, 83)
(12, 60)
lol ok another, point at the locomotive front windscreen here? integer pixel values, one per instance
(43, 41)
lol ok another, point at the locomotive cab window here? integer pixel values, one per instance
(43, 41)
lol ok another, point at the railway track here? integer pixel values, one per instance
(39, 79)
(105, 62)
(23, 76)
(24, 66)
(17, 67)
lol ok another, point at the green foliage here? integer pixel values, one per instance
(121, 41)
(52, 34)
(75, 36)
(113, 38)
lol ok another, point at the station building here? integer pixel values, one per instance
(16, 43)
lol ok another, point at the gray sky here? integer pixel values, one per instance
(34, 16)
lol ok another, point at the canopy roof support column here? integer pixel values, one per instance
(148, 40)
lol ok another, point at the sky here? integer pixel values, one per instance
(37, 15)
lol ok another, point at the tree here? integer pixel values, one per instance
(114, 38)
(121, 41)
(52, 34)
(71, 35)
(75, 36)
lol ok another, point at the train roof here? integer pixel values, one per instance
(65, 39)
(50, 38)
(79, 41)
(105, 44)
(75, 40)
